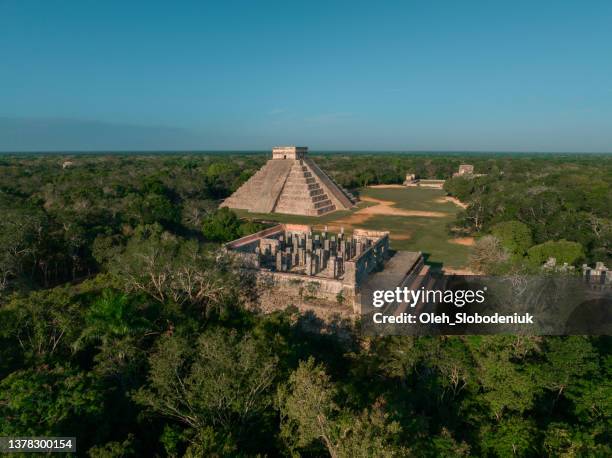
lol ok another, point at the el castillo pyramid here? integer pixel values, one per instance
(290, 183)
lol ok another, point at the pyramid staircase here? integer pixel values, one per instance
(303, 194)
(342, 194)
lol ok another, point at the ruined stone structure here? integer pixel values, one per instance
(551, 265)
(290, 183)
(292, 261)
(464, 169)
(467, 171)
(412, 181)
(599, 276)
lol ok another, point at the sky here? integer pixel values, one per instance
(432, 75)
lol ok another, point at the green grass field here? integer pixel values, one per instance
(413, 233)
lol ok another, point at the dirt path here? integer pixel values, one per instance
(465, 241)
(459, 271)
(452, 200)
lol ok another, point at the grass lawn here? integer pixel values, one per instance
(413, 233)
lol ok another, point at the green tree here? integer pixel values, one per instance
(221, 226)
(562, 250)
(310, 414)
(169, 268)
(48, 402)
(43, 324)
(223, 383)
(514, 237)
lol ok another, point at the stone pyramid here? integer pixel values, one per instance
(290, 183)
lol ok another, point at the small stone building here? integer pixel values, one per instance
(464, 169)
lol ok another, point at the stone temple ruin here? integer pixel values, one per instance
(412, 180)
(600, 275)
(467, 171)
(291, 183)
(464, 169)
(291, 261)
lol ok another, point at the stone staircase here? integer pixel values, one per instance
(341, 196)
(302, 194)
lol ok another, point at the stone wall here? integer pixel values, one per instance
(367, 260)
(599, 276)
(289, 152)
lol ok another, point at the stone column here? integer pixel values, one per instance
(320, 264)
(295, 259)
(279, 261)
(257, 257)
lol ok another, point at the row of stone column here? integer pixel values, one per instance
(314, 254)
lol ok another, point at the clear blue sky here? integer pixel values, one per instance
(406, 75)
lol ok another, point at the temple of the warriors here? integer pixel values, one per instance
(293, 262)
(290, 183)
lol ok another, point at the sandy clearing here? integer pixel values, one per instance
(452, 200)
(465, 241)
(387, 207)
(395, 236)
(382, 207)
(355, 218)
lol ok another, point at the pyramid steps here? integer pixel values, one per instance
(302, 194)
(340, 197)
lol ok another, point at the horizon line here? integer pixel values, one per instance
(315, 151)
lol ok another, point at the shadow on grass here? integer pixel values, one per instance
(435, 266)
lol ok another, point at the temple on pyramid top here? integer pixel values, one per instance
(291, 183)
(289, 152)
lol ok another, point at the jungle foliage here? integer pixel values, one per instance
(121, 323)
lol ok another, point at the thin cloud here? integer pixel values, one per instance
(329, 117)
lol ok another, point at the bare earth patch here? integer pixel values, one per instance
(382, 207)
(396, 236)
(465, 241)
(459, 271)
(387, 207)
(452, 200)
